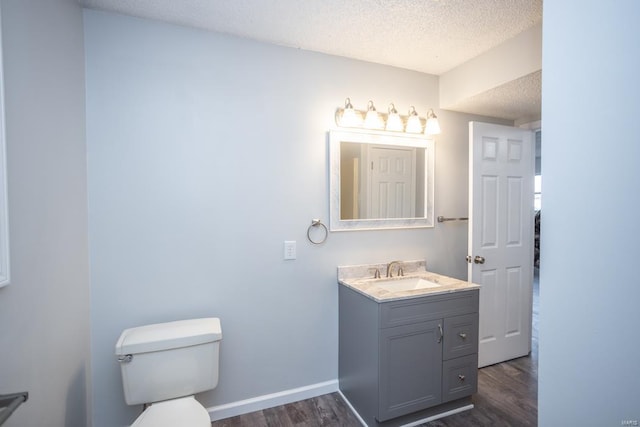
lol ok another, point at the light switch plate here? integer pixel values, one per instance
(289, 249)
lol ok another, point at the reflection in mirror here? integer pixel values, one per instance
(380, 180)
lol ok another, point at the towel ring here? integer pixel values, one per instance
(317, 223)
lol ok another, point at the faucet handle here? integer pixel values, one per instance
(400, 271)
(376, 273)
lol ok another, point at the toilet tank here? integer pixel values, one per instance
(169, 360)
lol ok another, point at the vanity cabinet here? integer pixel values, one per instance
(407, 359)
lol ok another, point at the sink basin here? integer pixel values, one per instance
(405, 284)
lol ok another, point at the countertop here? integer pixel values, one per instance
(361, 279)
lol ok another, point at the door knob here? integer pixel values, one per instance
(478, 259)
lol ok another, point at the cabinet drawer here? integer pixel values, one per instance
(459, 377)
(460, 336)
(416, 310)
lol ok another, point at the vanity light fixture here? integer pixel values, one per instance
(373, 120)
(394, 121)
(349, 117)
(432, 127)
(414, 125)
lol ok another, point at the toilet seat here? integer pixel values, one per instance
(182, 412)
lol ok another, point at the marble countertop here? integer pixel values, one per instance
(361, 279)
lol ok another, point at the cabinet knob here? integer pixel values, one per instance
(461, 378)
(462, 335)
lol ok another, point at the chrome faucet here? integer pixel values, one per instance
(390, 268)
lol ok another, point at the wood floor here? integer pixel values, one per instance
(326, 410)
(507, 396)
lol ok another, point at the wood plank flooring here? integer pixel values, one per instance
(328, 410)
(507, 396)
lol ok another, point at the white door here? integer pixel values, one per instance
(501, 175)
(393, 174)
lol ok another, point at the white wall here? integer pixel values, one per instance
(589, 290)
(44, 312)
(205, 153)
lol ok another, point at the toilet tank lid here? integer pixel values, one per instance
(165, 336)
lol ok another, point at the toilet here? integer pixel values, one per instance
(163, 365)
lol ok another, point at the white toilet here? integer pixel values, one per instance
(164, 365)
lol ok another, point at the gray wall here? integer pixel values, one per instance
(44, 312)
(205, 153)
(589, 290)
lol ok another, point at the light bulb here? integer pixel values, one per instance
(373, 120)
(414, 125)
(432, 127)
(394, 121)
(349, 116)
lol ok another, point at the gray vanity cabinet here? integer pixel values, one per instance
(404, 358)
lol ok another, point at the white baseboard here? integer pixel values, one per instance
(414, 423)
(270, 400)
(352, 409)
(438, 416)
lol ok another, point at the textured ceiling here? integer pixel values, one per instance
(431, 36)
(517, 100)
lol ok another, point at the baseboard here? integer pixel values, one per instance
(438, 416)
(413, 423)
(270, 400)
(352, 409)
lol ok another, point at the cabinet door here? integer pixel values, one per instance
(410, 368)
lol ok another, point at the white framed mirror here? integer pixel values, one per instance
(380, 180)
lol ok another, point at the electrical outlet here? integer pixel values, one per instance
(289, 249)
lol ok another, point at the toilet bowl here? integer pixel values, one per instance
(184, 411)
(163, 365)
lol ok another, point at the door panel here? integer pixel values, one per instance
(490, 217)
(514, 211)
(488, 325)
(513, 321)
(501, 163)
(392, 177)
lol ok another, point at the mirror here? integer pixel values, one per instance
(380, 180)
